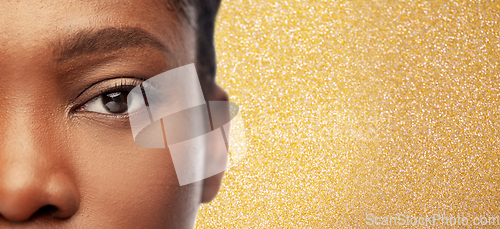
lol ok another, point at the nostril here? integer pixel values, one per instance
(45, 211)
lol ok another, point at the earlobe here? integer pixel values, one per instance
(217, 94)
(211, 185)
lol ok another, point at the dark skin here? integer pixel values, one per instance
(62, 165)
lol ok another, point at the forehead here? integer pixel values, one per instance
(22, 22)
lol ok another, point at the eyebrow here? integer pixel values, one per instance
(87, 42)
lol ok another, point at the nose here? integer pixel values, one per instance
(35, 180)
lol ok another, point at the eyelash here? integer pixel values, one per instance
(122, 86)
(125, 85)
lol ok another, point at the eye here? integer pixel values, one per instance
(115, 103)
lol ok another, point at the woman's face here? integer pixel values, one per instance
(62, 164)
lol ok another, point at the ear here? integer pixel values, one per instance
(212, 184)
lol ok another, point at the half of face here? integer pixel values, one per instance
(67, 160)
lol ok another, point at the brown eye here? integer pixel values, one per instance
(115, 102)
(120, 102)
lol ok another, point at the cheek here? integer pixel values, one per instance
(125, 186)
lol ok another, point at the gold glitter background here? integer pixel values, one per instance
(356, 107)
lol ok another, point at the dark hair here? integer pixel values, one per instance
(201, 16)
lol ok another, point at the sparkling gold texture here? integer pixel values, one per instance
(356, 107)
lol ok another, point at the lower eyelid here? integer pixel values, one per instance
(108, 120)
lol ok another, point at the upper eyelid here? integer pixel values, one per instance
(136, 83)
(102, 87)
(96, 84)
(150, 89)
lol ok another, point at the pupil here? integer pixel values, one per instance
(116, 102)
